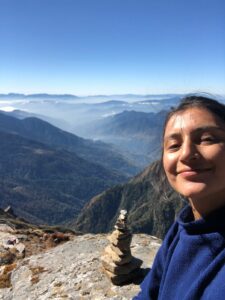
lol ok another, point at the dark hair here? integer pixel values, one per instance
(213, 106)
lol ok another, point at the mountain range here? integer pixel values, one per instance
(151, 204)
(136, 134)
(71, 112)
(70, 96)
(41, 131)
(47, 174)
(44, 184)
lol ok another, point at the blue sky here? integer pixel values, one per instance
(88, 47)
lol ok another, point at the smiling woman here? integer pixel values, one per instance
(190, 263)
(194, 149)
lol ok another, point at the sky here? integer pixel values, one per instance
(91, 47)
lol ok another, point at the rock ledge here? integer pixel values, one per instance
(73, 271)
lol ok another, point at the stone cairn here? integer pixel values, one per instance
(118, 263)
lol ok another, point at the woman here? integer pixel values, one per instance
(190, 262)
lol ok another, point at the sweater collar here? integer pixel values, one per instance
(211, 223)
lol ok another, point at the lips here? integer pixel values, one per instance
(193, 172)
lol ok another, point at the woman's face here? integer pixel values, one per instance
(194, 154)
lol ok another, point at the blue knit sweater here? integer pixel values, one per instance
(190, 264)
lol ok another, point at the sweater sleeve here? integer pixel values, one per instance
(151, 283)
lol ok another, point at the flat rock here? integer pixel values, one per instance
(121, 226)
(109, 265)
(121, 244)
(123, 278)
(118, 259)
(118, 234)
(73, 271)
(120, 252)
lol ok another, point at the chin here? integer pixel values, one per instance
(194, 191)
(195, 196)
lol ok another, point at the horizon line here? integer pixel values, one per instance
(108, 95)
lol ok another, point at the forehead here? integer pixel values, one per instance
(191, 119)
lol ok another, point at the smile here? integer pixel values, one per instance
(192, 172)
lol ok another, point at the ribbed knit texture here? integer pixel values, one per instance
(190, 264)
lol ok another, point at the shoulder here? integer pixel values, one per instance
(216, 287)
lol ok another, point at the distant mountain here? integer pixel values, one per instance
(110, 103)
(11, 96)
(38, 96)
(41, 131)
(131, 98)
(72, 113)
(43, 184)
(137, 134)
(151, 204)
(130, 122)
(21, 114)
(122, 97)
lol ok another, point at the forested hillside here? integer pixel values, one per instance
(44, 184)
(151, 204)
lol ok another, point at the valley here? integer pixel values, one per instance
(77, 161)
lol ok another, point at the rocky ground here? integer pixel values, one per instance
(72, 270)
(43, 262)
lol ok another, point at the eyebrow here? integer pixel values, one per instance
(199, 129)
(209, 127)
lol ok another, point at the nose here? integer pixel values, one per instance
(189, 151)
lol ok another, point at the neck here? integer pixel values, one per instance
(203, 207)
(197, 215)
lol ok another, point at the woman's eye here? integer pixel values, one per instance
(173, 146)
(208, 139)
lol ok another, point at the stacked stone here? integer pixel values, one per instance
(118, 263)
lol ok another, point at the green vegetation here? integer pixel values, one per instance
(43, 132)
(46, 185)
(149, 209)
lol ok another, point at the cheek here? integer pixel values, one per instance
(215, 156)
(169, 164)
